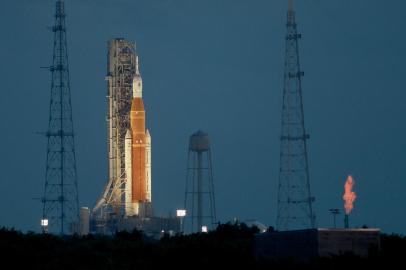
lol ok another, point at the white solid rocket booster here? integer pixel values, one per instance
(131, 208)
(148, 165)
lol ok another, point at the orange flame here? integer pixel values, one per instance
(349, 195)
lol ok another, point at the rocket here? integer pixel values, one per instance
(137, 152)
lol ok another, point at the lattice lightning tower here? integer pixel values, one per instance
(295, 209)
(60, 201)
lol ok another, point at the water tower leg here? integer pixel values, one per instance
(199, 192)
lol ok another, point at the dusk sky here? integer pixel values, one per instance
(216, 65)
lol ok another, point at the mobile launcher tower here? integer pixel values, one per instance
(126, 201)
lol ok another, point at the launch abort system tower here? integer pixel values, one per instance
(295, 210)
(60, 201)
(199, 194)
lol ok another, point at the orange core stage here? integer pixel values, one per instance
(138, 150)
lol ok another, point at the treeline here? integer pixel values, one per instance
(229, 246)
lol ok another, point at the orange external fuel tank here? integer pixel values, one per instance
(138, 147)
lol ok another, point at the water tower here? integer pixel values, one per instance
(199, 193)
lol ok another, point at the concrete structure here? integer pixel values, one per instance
(152, 226)
(84, 221)
(303, 245)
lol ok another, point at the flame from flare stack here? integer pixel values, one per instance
(349, 195)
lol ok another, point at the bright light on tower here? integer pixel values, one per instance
(180, 213)
(204, 229)
(44, 222)
(44, 225)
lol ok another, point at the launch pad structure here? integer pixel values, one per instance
(125, 203)
(305, 245)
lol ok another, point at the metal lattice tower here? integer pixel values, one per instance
(199, 193)
(295, 209)
(121, 69)
(60, 201)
